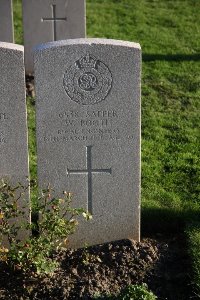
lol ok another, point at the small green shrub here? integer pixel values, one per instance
(57, 221)
(137, 292)
(132, 292)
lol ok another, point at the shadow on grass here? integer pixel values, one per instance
(164, 221)
(170, 57)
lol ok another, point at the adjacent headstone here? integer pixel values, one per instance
(88, 132)
(51, 20)
(13, 119)
(6, 21)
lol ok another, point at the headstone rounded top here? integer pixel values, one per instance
(11, 46)
(90, 41)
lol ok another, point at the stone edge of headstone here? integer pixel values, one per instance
(13, 33)
(85, 19)
(88, 41)
(4, 45)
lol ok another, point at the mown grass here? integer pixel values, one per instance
(170, 91)
(17, 16)
(168, 32)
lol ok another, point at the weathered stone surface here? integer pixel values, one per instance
(6, 21)
(13, 118)
(46, 21)
(88, 132)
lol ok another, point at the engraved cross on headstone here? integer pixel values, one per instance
(89, 171)
(54, 19)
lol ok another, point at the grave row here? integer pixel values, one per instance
(87, 129)
(43, 21)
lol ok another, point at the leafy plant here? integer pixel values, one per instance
(137, 292)
(57, 220)
(131, 292)
(10, 213)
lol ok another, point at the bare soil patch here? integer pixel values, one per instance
(106, 269)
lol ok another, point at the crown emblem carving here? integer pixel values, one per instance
(87, 61)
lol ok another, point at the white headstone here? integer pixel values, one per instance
(13, 119)
(88, 132)
(6, 21)
(51, 20)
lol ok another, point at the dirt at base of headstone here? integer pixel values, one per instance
(30, 86)
(104, 269)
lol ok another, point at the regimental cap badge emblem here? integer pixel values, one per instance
(88, 81)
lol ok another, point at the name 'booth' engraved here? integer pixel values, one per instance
(86, 126)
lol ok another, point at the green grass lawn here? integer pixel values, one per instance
(168, 32)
